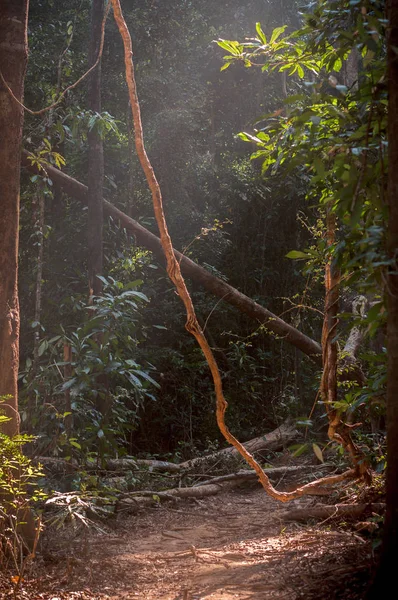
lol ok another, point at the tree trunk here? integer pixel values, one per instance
(385, 580)
(95, 157)
(13, 59)
(39, 227)
(217, 286)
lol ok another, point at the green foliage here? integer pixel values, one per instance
(219, 210)
(331, 131)
(21, 493)
(107, 385)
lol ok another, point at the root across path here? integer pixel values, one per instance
(234, 546)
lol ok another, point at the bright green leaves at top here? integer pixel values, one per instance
(261, 34)
(331, 130)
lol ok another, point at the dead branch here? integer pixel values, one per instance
(221, 484)
(249, 475)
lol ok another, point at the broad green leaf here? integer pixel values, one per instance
(43, 347)
(276, 33)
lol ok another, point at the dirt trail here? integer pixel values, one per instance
(229, 547)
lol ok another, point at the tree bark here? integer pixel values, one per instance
(13, 59)
(385, 579)
(213, 284)
(95, 157)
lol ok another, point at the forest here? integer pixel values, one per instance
(198, 299)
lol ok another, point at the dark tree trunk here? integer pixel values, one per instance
(95, 157)
(13, 59)
(384, 584)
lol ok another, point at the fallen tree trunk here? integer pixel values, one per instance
(59, 465)
(124, 483)
(135, 500)
(275, 440)
(217, 286)
(330, 511)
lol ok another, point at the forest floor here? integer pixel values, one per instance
(233, 546)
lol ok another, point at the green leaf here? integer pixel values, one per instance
(319, 167)
(276, 33)
(43, 347)
(229, 46)
(298, 449)
(261, 34)
(295, 254)
(75, 444)
(147, 377)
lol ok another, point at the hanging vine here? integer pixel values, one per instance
(174, 272)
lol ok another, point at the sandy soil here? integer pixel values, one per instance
(229, 547)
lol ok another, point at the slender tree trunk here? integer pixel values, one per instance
(39, 226)
(384, 584)
(130, 188)
(67, 397)
(95, 157)
(13, 59)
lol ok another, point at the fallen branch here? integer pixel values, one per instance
(249, 475)
(275, 440)
(272, 441)
(224, 483)
(337, 510)
(126, 483)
